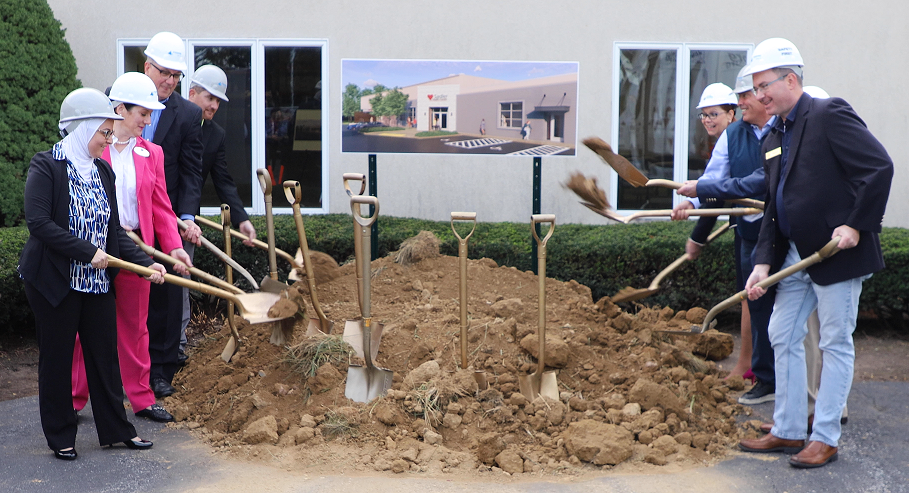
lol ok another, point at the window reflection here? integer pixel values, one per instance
(647, 123)
(293, 126)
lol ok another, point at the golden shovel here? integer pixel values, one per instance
(321, 325)
(540, 382)
(478, 375)
(234, 341)
(365, 383)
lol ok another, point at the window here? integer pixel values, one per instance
(511, 114)
(275, 118)
(656, 90)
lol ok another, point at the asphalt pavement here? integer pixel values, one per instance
(873, 457)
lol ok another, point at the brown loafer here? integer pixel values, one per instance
(816, 454)
(769, 443)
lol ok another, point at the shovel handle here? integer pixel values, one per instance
(824, 253)
(179, 281)
(659, 182)
(265, 183)
(542, 218)
(356, 201)
(294, 194)
(257, 243)
(462, 276)
(463, 216)
(165, 258)
(220, 254)
(348, 177)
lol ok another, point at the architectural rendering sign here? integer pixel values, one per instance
(506, 108)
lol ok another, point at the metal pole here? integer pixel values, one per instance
(374, 254)
(537, 171)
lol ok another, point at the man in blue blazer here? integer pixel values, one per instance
(177, 129)
(827, 177)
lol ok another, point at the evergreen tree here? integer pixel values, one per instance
(38, 71)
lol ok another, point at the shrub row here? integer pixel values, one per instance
(606, 259)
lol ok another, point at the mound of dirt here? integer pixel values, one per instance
(630, 393)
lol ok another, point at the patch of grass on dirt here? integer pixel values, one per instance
(306, 357)
(338, 425)
(435, 133)
(428, 404)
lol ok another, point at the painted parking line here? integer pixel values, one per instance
(546, 150)
(476, 143)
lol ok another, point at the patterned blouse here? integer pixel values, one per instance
(89, 214)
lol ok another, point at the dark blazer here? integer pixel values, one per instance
(214, 162)
(837, 173)
(45, 259)
(179, 133)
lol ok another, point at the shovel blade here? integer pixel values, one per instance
(631, 294)
(353, 335)
(314, 328)
(480, 377)
(269, 285)
(534, 385)
(229, 349)
(365, 384)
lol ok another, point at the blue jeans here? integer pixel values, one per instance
(837, 305)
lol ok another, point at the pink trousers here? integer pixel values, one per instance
(132, 345)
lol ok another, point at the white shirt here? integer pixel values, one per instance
(125, 170)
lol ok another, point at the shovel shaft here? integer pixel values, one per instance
(265, 183)
(221, 255)
(462, 260)
(258, 243)
(292, 190)
(541, 274)
(681, 260)
(165, 258)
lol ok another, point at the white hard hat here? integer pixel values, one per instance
(743, 81)
(136, 88)
(84, 104)
(816, 92)
(774, 53)
(212, 79)
(167, 50)
(717, 94)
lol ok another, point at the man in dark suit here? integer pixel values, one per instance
(207, 91)
(177, 129)
(827, 177)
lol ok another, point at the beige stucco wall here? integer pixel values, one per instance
(854, 50)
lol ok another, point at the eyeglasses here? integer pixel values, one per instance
(708, 116)
(177, 76)
(763, 86)
(108, 133)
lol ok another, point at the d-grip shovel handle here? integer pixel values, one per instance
(354, 177)
(365, 229)
(265, 183)
(463, 216)
(462, 277)
(542, 218)
(293, 191)
(356, 201)
(824, 253)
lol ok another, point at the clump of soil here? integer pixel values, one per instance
(629, 393)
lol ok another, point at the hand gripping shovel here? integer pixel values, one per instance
(322, 325)
(631, 294)
(358, 241)
(819, 256)
(540, 382)
(253, 306)
(365, 383)
(167, 259)
(478, 375)
(220, 254)
(634, 176)
(233, 342)
(258, 244)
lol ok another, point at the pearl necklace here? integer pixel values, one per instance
(117, 142)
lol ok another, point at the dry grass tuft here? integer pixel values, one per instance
(306, 357)
(422, 246)
(337, 425)
(588, 190)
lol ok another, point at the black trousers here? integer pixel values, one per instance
(94, 318)
(165, 319)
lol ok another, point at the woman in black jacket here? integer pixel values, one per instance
(71, 214)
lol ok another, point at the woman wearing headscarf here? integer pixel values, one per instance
(73, 225)
(144, 208)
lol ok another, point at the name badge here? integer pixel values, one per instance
(144, 152)
(773, 153)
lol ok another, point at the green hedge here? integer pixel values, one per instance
(605, 258)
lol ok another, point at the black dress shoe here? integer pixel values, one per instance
(161, 388)
(156, 413)
(138, 445)
(66, 454)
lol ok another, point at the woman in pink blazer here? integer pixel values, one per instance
(144, 208)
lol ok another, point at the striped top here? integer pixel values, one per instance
(89, 215)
